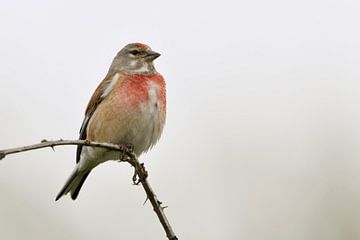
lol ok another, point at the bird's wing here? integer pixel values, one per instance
(101, 92)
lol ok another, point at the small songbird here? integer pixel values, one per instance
(128, 107)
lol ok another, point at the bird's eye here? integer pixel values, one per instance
(134, 52)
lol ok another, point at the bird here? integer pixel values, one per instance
(128, 107)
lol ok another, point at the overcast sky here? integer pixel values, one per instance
(262, 134)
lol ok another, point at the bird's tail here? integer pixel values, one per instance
(73, 184)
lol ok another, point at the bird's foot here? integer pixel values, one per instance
(137, 178)
(125, 150)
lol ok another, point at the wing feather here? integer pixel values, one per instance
(101, 92)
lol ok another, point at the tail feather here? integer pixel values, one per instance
(73, 184)
(75, 193)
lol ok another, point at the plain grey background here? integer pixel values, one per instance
(262, 134)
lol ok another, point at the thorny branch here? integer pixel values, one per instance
(131, 158)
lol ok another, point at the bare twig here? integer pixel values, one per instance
(132, 159)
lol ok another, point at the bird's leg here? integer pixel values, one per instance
(124, 150)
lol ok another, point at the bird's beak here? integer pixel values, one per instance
(152, 55)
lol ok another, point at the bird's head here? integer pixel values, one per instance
(135, 58)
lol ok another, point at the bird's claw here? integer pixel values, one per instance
(125, 149)
(136, 178)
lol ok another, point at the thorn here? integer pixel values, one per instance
(2, 155)
(147, 198)
(52, 147)
(164, 207)
(43, 141)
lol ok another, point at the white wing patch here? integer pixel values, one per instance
(111, 85)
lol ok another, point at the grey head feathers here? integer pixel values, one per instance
(135, 58)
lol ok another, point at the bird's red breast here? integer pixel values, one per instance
(134, 89)
(134, 98)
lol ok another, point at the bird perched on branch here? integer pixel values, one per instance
(128, 108)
